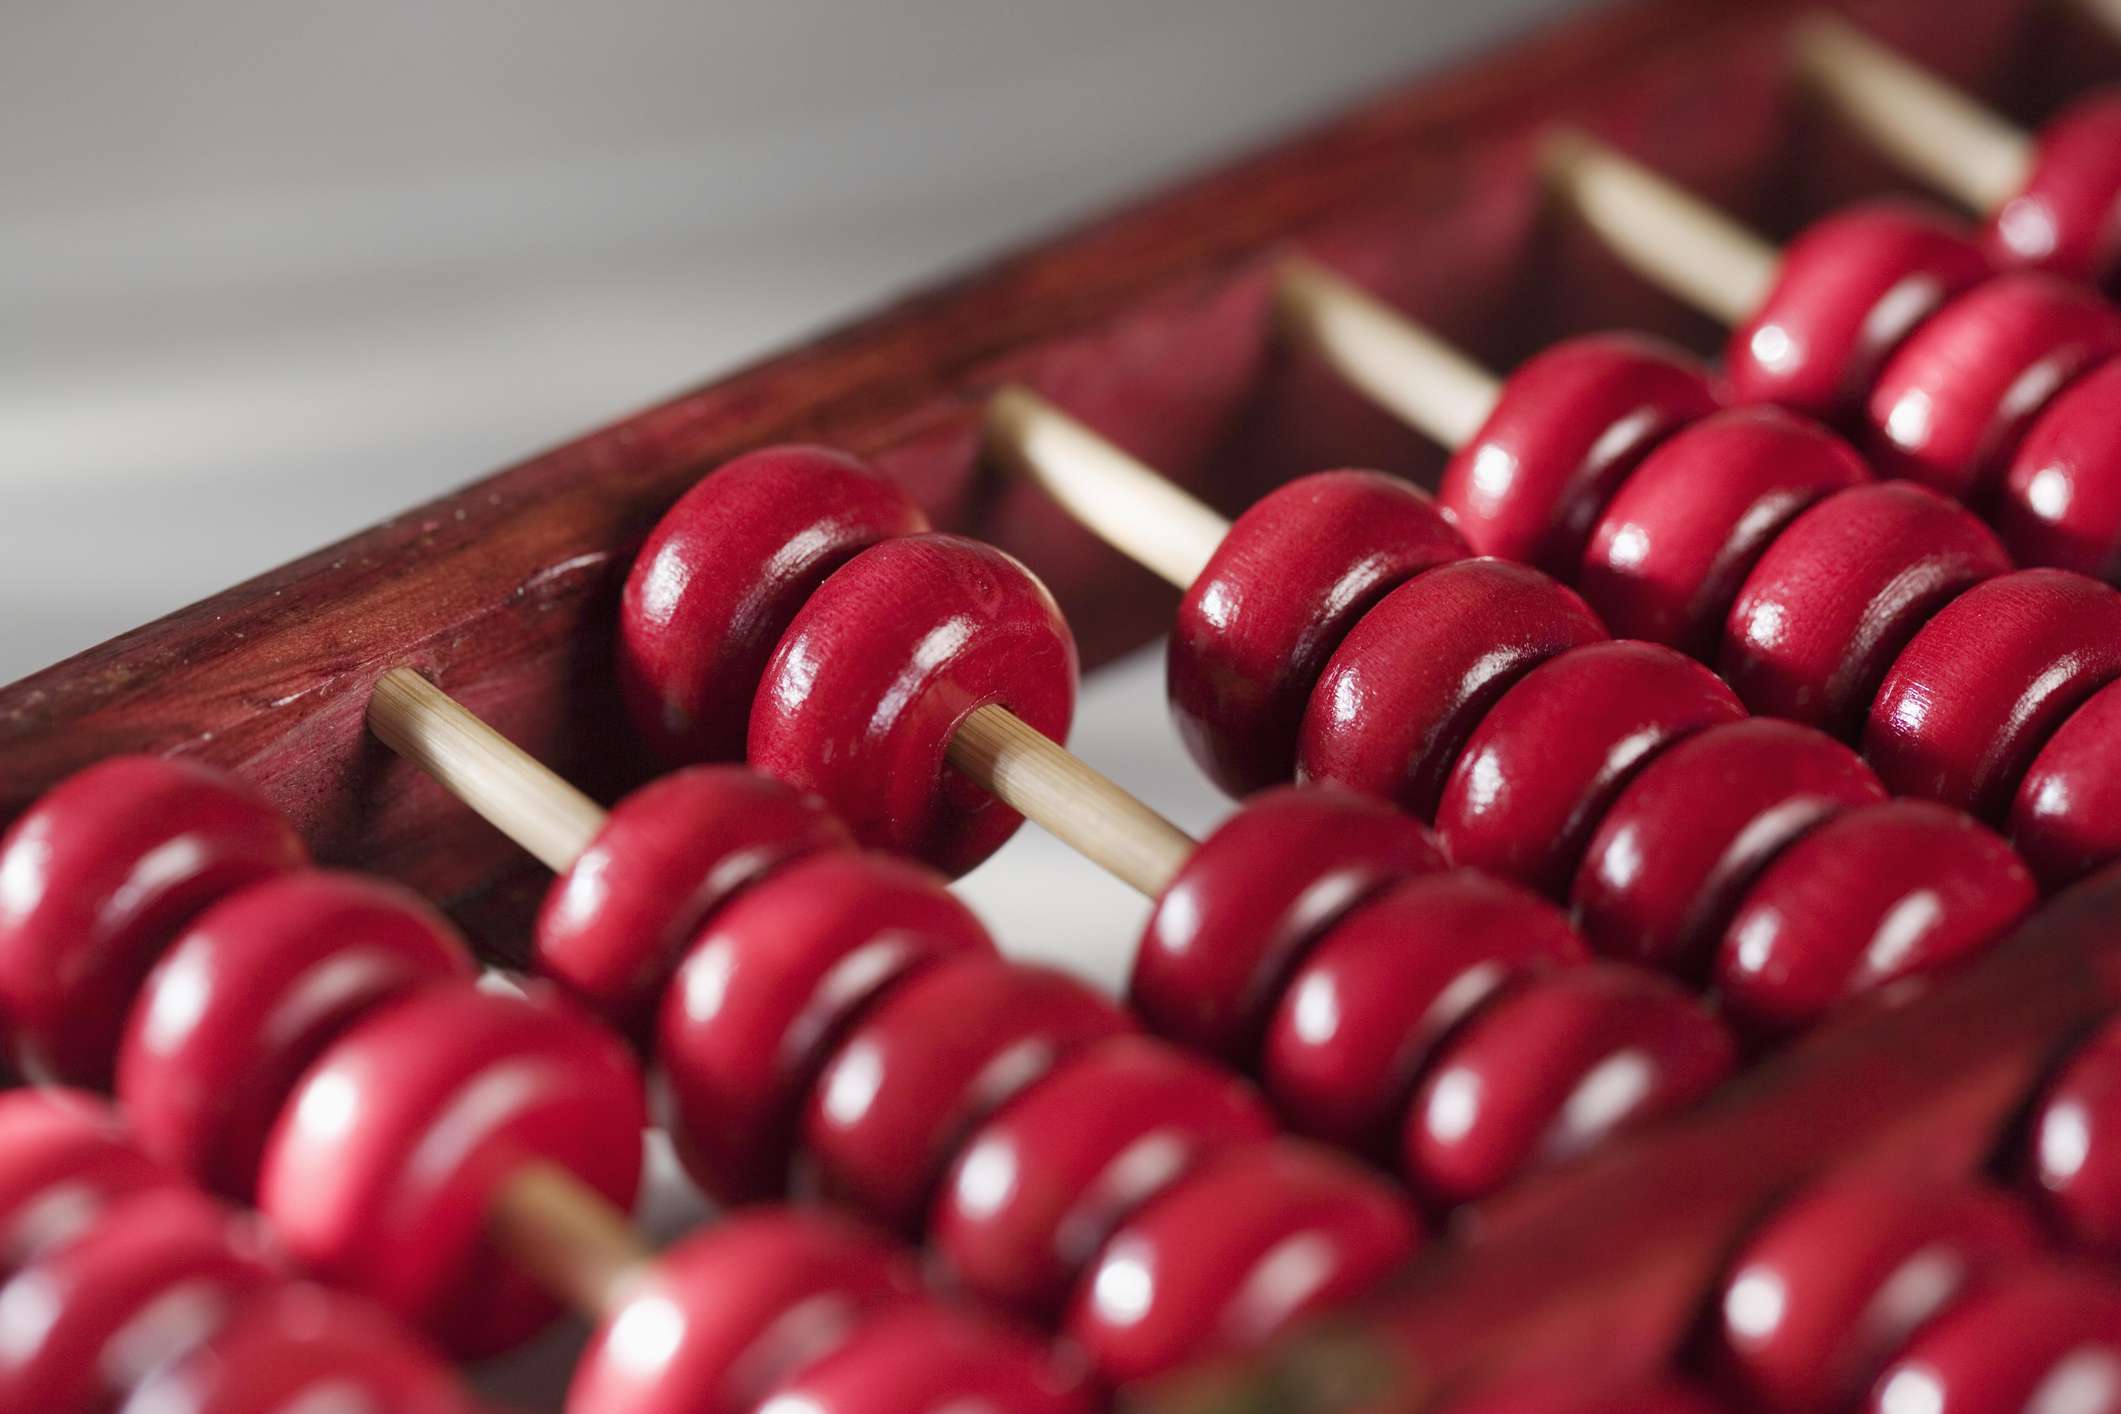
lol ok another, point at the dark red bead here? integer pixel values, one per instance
(389, 1156)
(870, 682)
(714, 1323)
(613, 926)
(1671, 857)
(1952, 403)
(251, 995)
(1412, 679)
(1669, 553)
(1878, 893)
(1847, 290)
(1234, 1255)
(768, 991)
(1294, 573)
(1574, 1394)
(2066, 817)
(1240, 912)
(2061, 498)
(1819, 1299)
(1364, 1011)
(2044, 1337)
(1542, 766)
(2067, 217)
(928, 1062)
(97, 878)
(2073, 1144)
(1839, 593)
(1980, 688)
(927, 1358)
(724, 572)
(1551, 1069)
(1567, 429)
(1042, 1182)
(65, 1159)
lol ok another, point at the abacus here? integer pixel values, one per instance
(1661, 953)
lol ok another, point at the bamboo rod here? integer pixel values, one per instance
(567, 1236)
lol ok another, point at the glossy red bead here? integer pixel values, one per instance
(2045, 1337)
(383, 1168)
(1816, 1301)
(2066, 817)
(1668, 555)
(724, 572)
(870, 681)
(1234, 1255)
(1847, 290)
(2067, 216)
(1953, 401)
(1839, 594)
(251, 994)
(1878, 893)
(1367, 1007)
(928, 1062)
(1258, 891)
(65, 1159)
(97, 878)
(1039, 1185)
(614, 925)
(1981, 686)
(1678, 847)
(1568, 427)
(1553, 1068)
(719, 1319)
(2073, 1144)
(2061, 498)
(156, 1275)
(1542, 766)
(768, 991)
(300, 1348)
(928, 1358)
(1254, 631)
(1398, 700)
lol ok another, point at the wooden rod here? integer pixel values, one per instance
(1408, 371)
(567, 1236)
(1118, 498)
(505, 784)
(1661, 231)
(1921, 122)
(1084, 809)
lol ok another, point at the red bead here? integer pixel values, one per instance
(1669, 553)
(1234, 1255)
(1819, 1299)
(1953, 401)
(715, 1322)
(1669, 861)
(722, 574)
(155, 1276)
(2061, 500)
(1979, 689)
(1294, 573)
(389, 1156)
(1573, 1394)
(302, 1348)
(65, 1159)
(1846, 292)
(2074, 1144)
(2067, 217)
(1409, 682)
(1364, 1011)
(1240, 912)
(1567, 429)
(1041, 1184)
(872, 678)
(1551, 1069)
(613, 927)
(769, 990)
(2042, 1338)
(251, 995)
(927, 1358)
(2066, 817)
(1879, 893)
(97, 878)
(1548, 758)
(1840, 592)
(928, 1062)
